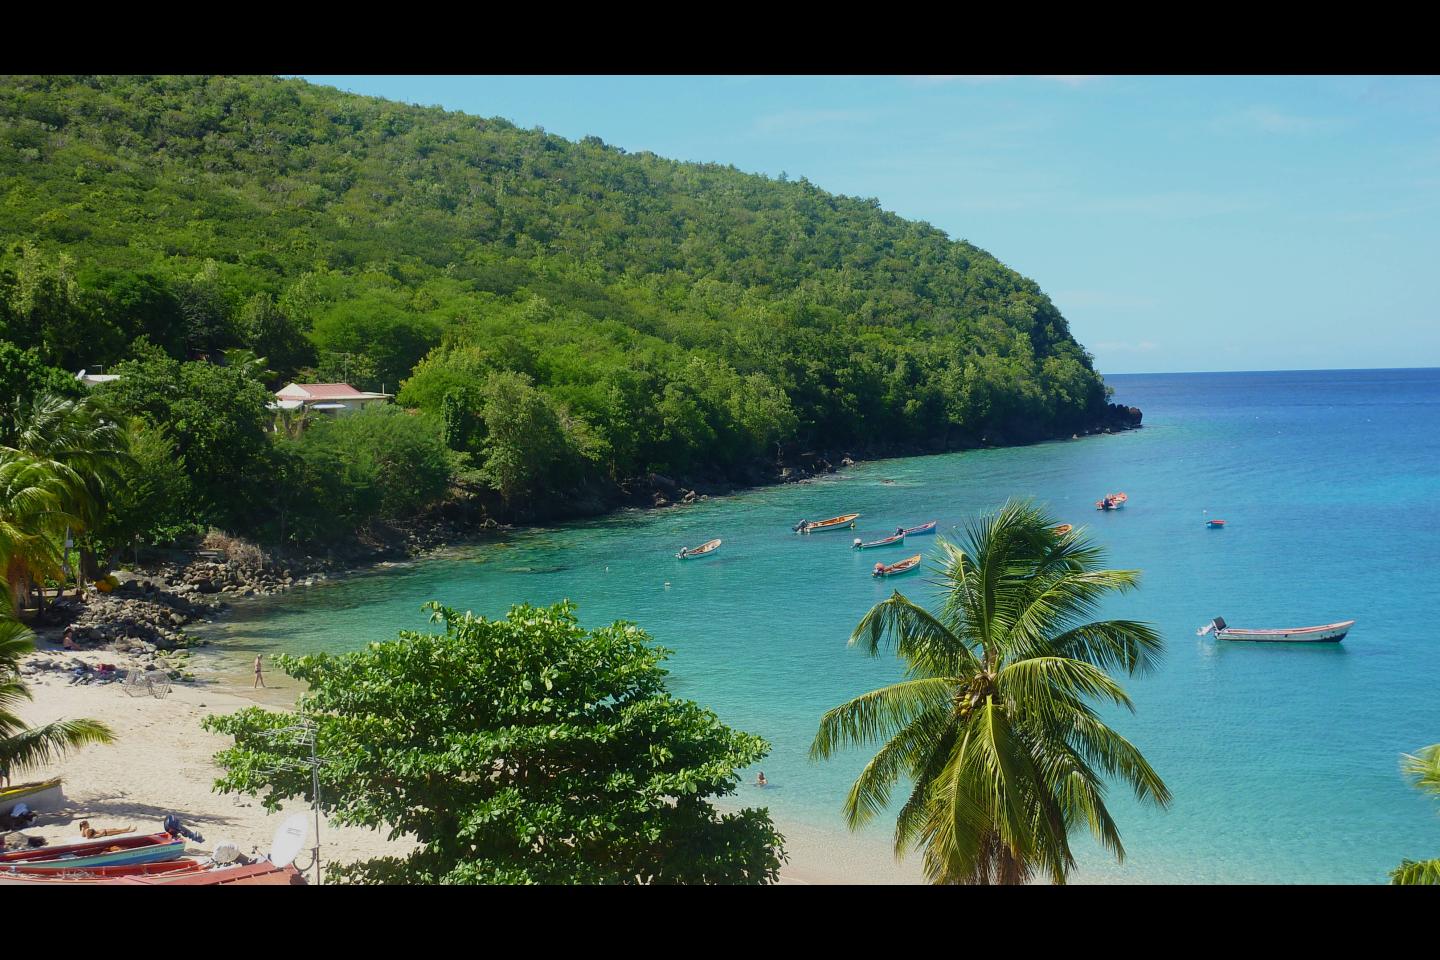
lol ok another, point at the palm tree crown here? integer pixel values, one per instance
(993, 723)
(1423, 768)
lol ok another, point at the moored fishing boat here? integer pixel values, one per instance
(921, 530)
(894, 540)
(834, 523)
(907, 565)
(180, 873)
(1113, 501)
(39, 796)
(1063, 529)
(705, 549)
(1214, 524)
(1325, 633)
(106, 852)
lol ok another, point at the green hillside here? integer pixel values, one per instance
(568, 315)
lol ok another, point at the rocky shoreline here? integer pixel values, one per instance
(142, 618)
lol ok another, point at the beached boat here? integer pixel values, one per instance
(39, 796)
(180, 872)
(1214, 524)
(921, 530)
(1326, 633)
(73, 874)
(704, 550)
(105, 852)
(895, 540)
(1063, 529)
(834, 523)
(908, 565)
(1113, 502)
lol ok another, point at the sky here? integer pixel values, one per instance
(1179, 223)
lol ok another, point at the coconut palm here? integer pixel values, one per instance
(1424, 769)
(994, 724)
(32, 495)
(80, 450)
(22, 746)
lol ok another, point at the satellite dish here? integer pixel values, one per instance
(289, 839)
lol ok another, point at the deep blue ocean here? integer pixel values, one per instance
(1283, 759)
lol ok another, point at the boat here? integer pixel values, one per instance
(106, 852)
(194, 873)
(834, 523)
(39, 796)
(907, 565)
(1063, 529)
(1326, 633)
(1214, 524)
(1116, 501)
(705, 549)
(894, 540)
(921, 530)
(72, 874)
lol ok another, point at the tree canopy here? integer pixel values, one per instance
(522, 750)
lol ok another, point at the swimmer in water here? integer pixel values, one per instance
(760, 780)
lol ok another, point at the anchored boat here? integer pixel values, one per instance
(1113, 501)
(1326, 633)
(895, 569)
(1063, 529)
(895, 540)
(704, 550)
(921, 530)
(834, 523)
(1214, 524)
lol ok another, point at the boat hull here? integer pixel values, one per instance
(846, 522)
(40, 796)
(152, 853)
(1328, 633)
(704, 550)
(908, 565)
(922, 530)
(877, 544)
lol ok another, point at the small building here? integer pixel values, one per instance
(328, 398)
(93, 380)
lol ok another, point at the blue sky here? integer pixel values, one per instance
(1180, 223)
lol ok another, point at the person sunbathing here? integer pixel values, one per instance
(90, 833)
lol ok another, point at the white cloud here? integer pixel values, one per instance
(1263, 119)
(1122, 346)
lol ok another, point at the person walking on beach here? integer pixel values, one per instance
(259, 678)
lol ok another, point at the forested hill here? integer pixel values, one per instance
(641, 314)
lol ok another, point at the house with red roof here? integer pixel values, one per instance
(328, 398)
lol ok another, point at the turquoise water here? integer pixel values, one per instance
(1283, 760)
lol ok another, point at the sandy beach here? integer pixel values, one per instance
(161, 763)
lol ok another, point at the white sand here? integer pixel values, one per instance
(160, 763)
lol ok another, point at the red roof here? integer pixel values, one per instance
(330, 391)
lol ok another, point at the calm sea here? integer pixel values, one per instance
(1283, 760)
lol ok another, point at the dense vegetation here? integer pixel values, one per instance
(523, 750)
(994, 729)
(565, 316)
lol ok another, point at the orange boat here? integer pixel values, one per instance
(1063, 529)
(895, 569)
(1112, 502)
(834, 523)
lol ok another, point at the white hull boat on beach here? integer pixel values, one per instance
(1326, 633)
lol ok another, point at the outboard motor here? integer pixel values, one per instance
(173, 827)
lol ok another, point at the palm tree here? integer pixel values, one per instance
(31, 514)
(993, 723)
(1424, 769)
(22, 746)
(79, 450)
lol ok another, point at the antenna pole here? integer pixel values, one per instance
(315, 788)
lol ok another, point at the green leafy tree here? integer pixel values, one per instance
(1424, 769)
(523, 750)
(382, 450)
(274, 336)
(994, 724)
